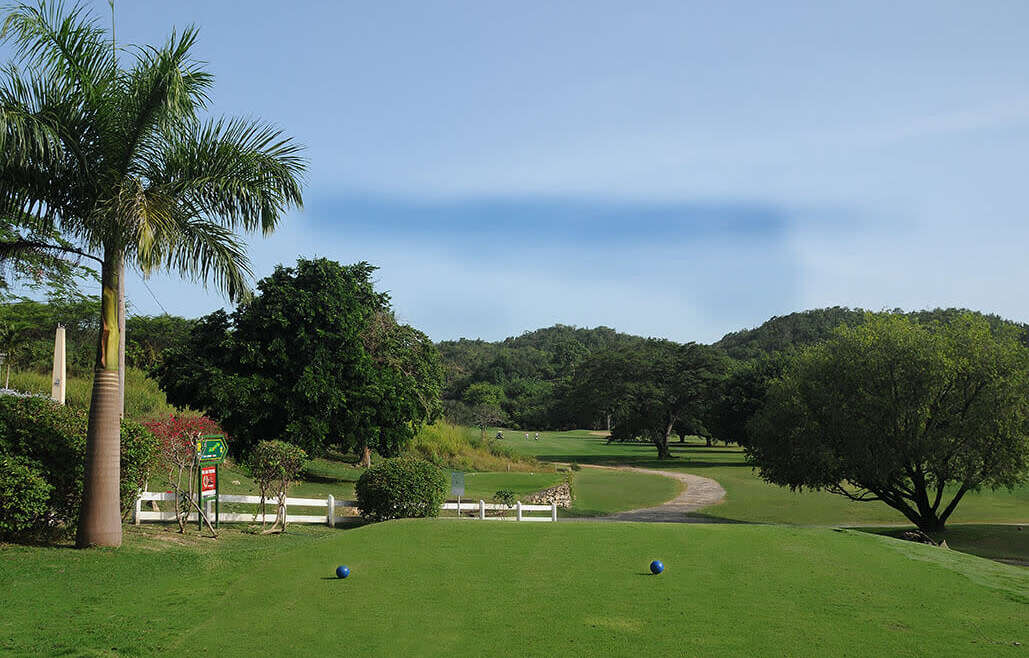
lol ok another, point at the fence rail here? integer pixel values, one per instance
(330, 504)
(329, 518)
(518, 508)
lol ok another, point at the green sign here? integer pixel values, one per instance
(212, 449)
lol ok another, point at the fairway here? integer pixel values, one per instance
(751, 499)
(451, 587)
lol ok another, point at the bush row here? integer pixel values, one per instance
(42, 462)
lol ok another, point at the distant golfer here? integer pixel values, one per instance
(526, 436)
(500, 435)
(537, 436)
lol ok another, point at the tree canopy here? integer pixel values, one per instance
(913, 415)
(316, 359)
(651, 388)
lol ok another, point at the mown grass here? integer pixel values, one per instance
(450, 587)
(602, 491)
(748, 498)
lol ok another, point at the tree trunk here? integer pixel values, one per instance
(100, 516)
(366, 457)
(121, 340)
(708, 439)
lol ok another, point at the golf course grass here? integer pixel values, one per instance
(748, 498)
(605, 491)
(448, 587)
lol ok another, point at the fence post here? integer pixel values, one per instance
(332, 512)
(553, 511)
(518, 510)
(208, 508)
(482, 509)
(137, 509)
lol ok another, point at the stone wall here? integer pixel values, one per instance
(561, 494)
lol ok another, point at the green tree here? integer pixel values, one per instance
(117, 161)
(316, 359)
(651, 388)
(148, 336)
(900, 412)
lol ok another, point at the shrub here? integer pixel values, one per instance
(23, 498)
(50, 439)
(402, 487)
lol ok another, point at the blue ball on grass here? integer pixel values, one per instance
(342, 571)
(656, 567)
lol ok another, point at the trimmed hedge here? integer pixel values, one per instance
(42, 439)
(402, 487)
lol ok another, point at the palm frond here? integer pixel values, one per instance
(60, 42)
(164, 87)
(241, 172)
(201, 251)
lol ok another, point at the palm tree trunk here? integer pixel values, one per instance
(100, 516)
(121, 339)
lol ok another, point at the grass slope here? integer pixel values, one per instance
(482, 588)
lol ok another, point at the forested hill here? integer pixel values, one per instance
(522, 374)
(808, 327)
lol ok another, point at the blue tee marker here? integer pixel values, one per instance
(656, 567)
(342, 571)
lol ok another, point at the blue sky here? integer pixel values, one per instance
(671, 169)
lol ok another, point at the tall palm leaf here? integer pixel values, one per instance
(117, 161)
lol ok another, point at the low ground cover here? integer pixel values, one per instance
(443, 587)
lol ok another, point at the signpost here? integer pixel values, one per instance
(457, 487)
(211, 451)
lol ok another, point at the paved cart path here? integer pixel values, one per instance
(699, 492)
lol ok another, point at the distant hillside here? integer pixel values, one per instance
(808, 327)
(524, 374)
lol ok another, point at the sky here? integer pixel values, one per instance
(678, 169)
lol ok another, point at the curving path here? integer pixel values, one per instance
(699, 492)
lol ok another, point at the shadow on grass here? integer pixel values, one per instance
(1005, 543)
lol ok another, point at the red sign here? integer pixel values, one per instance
(208, 480)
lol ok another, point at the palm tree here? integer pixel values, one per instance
(118, 162)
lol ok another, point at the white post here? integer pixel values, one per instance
(332, 512)
(58, 382)
(482, 509)
(553, 511)
(518, 510)
(137, 510)
(209, 508)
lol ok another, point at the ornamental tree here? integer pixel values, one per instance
(913, 415)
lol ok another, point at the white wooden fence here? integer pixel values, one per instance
(330, 504)
(518, 508)
(329, 518)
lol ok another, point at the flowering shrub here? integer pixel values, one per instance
(177, 437)
(178, 434)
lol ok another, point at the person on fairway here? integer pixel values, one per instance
(500, 435)
(526, 436)
(537, 436)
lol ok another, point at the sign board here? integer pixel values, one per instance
(212, 448)
(208, 481)
(456, 483)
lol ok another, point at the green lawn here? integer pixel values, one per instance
(748, 498)
(602, 491)
(450, 587)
